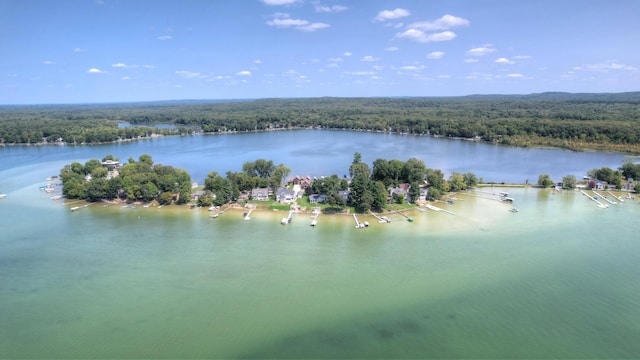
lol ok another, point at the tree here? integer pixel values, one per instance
(435, 179)
(91, 165)
(379, 201)
(414, 170)
(545, 181)
(456, 182)
(146, 159)
(414, 191)
(569, 182)
(470, 180)
(358, 167)
(360, 196)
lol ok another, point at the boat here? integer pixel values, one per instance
(75, 208)
(56, 197)
(2, 196)
(514, 209)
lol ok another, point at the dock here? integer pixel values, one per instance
(247, 215)
(287, 219)
(435, 208)
(359, 225)
(314, 220)
(615, 196)
(600, 205)
(409, 218)
(605, 198)
(381, 219)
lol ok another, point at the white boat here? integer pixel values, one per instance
(2, 196)
(56, 197)
(75, 208)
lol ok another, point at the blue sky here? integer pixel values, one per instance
(78, 51)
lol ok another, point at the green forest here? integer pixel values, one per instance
(606, 122)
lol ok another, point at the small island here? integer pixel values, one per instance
(388, 185)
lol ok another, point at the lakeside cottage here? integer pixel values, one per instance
(285, 196)
(260, 194)
(401, 189)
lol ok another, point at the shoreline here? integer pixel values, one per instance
(594, 147)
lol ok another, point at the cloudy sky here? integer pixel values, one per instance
(78, 51)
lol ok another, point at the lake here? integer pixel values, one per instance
(557, 279)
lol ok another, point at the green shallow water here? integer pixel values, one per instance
(559, 279)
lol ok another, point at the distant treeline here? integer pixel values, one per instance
(574, 121)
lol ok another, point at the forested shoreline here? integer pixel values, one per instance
(605, 122)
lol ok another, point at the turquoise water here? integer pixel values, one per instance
(558, 279)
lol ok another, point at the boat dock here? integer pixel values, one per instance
(314, 220)
(287, 219)
(359, 225)
(409, 218)
(381, 219)
(605, 198)
(615, 196)
(600, 205)
(435, 208)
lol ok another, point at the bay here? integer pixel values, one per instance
(557, 279)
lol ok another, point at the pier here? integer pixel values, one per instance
(409, 218)
(359, 225)
(247, 215)
(435, 208)
(287, 219)
(615, 196)
(600, 205)
(605, 199)
(314, 219)
(381, 219)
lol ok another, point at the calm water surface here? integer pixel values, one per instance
(557, 279)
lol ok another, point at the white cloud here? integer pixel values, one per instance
(244, 73)
(48, 62)
(522, 57)
(347, 54)
(257, 61)
(369, 58)
(164, 37)
(506, 61)
(190, 74)
(283, 21)
(335, 59)
(479, 76)
(444, 23)
(125, 78)
(359, 73)
(313, 27)
(412, 68)
(470, 61)
(481, 51)
(392, 14)
(443, 76)
(131, 66)
(79, 50)
(330, 9)
(422, 37)
(96, 71)
(279, 2)
(605, 67)
(435, 55)
(391, 48)
(515, 75)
